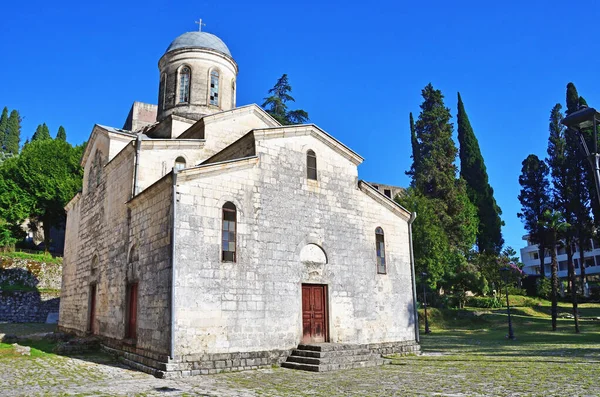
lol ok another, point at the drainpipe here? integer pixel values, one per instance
(138, 149)
(173, 261)
(413, 216)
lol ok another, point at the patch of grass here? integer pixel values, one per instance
(41, 257)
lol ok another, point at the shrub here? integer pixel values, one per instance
(543, 288)
(512, 290)
(484, 302)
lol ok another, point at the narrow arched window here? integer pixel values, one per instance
(380, 244)
(184, 85)
(228, 253)
(311, 165)
(214, 87)
(179, 163)
(162, 91)
(233, 93)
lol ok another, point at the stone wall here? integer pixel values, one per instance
(254, 304)
(27, 306)
(28, 273)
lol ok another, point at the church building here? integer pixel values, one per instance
(208, 237)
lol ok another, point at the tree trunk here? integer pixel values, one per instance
(582, 261)
(46, 226)
(554, 280)
(573, 284)
(542, 255)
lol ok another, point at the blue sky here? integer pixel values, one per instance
(357, 67)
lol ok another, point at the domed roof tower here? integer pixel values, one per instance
(197, 77)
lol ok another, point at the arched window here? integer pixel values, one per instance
(229, 232)
(162, 91)
(233, 93)
(179, 163)
(184, 84)
(131, 291)
(380, 244)
(214, 87)
(311, 165)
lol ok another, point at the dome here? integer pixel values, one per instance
(199, 40)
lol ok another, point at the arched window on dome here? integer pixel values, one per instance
(214, 87)
(228, 239)
(184, 84)
(232, 93)
(162, 91)
(311, 165)
(380, 248)
(179, 163)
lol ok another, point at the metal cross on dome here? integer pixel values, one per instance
(200, 24)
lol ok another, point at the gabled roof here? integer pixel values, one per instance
(313, 130)
(383, 199)
(215, 117)
(98, 129)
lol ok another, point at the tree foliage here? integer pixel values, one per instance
(535, 199)
(481, 194)
(61, 135)
(276, 104)
(13, 133)
(41, 133)
(3, 128)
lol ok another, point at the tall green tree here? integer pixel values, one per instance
(564, 171)
(481, 194)
(435, 171)
(3, 127)
(276, 104)
(535, 200)
(61, 135)
(554, 226)
(13, 133)
(42, 132)
(414, 142)
(48, 171)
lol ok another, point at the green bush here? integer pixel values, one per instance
(512, 290)
(543, 288)
(484, 302)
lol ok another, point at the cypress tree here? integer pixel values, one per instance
(435, 171)
(3, 127)
(414, 144)
(13, 133)
(61, 135)
(535, 199)
(481, 194)
(41, 132)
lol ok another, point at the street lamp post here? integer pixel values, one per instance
(505, 273)
(585, 118)
(425, 304)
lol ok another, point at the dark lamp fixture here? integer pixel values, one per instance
(587, 118)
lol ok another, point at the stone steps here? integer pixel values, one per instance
(331, 356)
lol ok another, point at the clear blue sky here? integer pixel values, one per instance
(357, 67)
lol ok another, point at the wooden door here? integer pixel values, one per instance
(314, 313)
(92, 309)
(132, 311)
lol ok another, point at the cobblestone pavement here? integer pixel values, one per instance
(51, 375)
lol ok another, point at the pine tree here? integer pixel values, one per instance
(3, 127)
(434, 179)
(481, 194)
(13, 133)
(41, 132)
(535, 199)
(276, 104)
(61, 135)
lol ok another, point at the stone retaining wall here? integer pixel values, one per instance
(27, 306)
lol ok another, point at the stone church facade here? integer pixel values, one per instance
(208, 237)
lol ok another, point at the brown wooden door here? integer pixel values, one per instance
(92, 308)
(314, 313)
(132, 311)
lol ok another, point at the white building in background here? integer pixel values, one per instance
(531, 259)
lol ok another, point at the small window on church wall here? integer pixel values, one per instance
(214, 88)
(184, 85)
(179, 163)
(380, 244)
(162, 91)
(229, 232)
(311, 165)
(233, 93)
